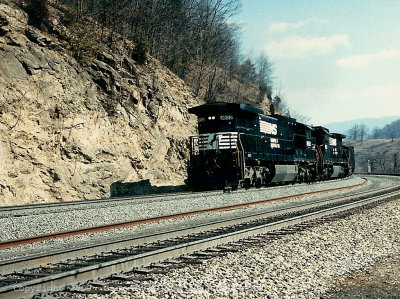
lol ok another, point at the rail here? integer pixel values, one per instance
(64, 234)
(144, 251)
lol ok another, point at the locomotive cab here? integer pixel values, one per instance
(226, 117)
(216, 154)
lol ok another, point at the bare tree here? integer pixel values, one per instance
(374, 133)
(194, 38)
(354, 132)
(362, 131)
(264, 77)
(300, 117)
(390, 132)
(395, 162)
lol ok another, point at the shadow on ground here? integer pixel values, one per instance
(142, 187)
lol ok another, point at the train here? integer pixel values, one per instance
(239, 146)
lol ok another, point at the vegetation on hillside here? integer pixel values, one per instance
(391, 131)
(380, 152)
(196, 39)
(382, 155)
(361, 132)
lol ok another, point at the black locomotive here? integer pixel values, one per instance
(238, 145)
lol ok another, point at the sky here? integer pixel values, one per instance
(332, 60)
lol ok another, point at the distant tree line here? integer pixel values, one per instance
(390, 131)
(194, 38)
(358, 132)
(361, 132)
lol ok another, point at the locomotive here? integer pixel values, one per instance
(238, 145)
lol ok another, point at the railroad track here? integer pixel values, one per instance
(377, 174)
(42, 208)
(38, 274)
(47, 208)
(64, 234)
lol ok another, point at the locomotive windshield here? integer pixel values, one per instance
(216, 123)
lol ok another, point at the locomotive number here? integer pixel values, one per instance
(226, 117)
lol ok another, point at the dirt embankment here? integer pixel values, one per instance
(380, 281)
(383, 155)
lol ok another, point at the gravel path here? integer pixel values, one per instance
(302, 265)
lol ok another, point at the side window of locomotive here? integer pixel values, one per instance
(332, 141)
(308, 135)
(245, 124)
(203, 124)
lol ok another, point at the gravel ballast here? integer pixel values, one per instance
(61, 223)
(306, 264)
(31, 225)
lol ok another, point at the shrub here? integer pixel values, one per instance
(139, 53)
(37, 11)
(82, 43)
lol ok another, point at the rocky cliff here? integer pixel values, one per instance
(70, 131)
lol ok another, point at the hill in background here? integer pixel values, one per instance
(383, 154)
(390, 131)
(344, 127)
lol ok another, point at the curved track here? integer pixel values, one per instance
(143, 251)
(65, 234)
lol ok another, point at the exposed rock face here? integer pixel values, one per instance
(68, 131)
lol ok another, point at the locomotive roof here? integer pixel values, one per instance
(284, 117)
(268, 118)
(339, 135)
(304, 125)
(320, 128)
(222, 107)
(326, 131)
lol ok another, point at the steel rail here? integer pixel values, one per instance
(64, 234)
(32, 209)
(57, 281)
(377, 174)
(60, 255)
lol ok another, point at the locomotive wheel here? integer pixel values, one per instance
(247, 183)
(258, 183)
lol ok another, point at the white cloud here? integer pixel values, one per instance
(389, 53)
(282, 26)
(390, 92)
(364, 61)
(357, 61)
(325, 105)
(296, 46)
